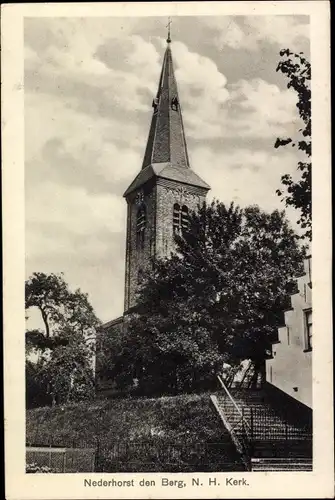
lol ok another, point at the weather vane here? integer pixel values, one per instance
(169, 34)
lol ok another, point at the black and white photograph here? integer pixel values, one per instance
(168, 247)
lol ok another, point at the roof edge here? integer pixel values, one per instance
(156, 170)
(112, 322)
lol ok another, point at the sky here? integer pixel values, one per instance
(89, 84)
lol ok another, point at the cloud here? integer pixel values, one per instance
(202, 89)
(214, 108)
(84, 142)
(88, 90)
(98, 156)
(94, 72)
(199, 72)
(70, 230)
(245, 176)
(260, 109)
(250, 32)
(75, 211)
(228, 31)
(287, 31)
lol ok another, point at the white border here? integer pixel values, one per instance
(317, 484)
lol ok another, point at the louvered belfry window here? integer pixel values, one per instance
(180, 218)
(140, 226)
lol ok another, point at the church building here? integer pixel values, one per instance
(162, 194)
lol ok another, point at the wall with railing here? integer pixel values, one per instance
(100, 453)
(62, 460)
(259, 427)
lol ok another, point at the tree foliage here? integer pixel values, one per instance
(299, 192)
(218, 299)
(64, 348)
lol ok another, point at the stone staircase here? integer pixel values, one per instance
(281, 464)
(267, 423)
(266, 438)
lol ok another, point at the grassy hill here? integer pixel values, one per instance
(180, 433)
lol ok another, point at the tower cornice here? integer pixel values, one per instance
(166, 171)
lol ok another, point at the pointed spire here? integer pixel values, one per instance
(169, 33)
(166, 141)
(166, 151)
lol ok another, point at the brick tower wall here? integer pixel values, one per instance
(169, 193)
(138, 258)
(158, 199)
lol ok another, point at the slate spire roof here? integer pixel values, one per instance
(166, 150)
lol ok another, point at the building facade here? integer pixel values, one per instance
(290, 368)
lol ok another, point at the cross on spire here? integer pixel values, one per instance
(169, 33)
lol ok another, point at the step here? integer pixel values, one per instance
(266, 468)
(273, 440)
(264, 417)
(281, 460)
(276, 453)
(259, 409)
(284, 465)
(284, 460)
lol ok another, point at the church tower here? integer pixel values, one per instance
(165, 190)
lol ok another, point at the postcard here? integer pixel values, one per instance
(167, 250)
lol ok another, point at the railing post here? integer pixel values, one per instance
(243, 426)
(251, 424)
(50, 443)
(235, 407)
(97, 456)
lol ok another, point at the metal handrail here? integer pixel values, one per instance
(233, 401)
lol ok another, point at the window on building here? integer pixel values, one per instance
(176, 216)
(180, 218)
(140, 226)
(174, 103)
(155, 103)
(184, 217)
(308, 329)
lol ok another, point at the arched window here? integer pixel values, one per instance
(140, 226)
(180, 218)
(176, 217)
(184, 217)
(174, 103)
(155, 103)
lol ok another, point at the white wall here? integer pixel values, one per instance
(291, 367)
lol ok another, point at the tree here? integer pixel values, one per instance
(36, 386)
(299, 192)
(65, 347)
(108, 344)
(218, 299)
